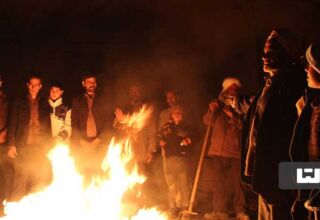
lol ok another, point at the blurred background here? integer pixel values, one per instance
(184, 44)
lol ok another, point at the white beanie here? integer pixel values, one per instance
(229, 81)
(313, 57)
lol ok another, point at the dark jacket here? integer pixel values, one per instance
(173, 134)
(4, 110)
(102, 114)
(305, 143)
(19, 121)
(273, 135)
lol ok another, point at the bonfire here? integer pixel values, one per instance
(68, 198)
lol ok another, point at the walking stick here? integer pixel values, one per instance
(186, 213)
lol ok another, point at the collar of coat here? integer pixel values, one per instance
(55, 103)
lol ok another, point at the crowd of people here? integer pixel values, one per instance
(250, 135)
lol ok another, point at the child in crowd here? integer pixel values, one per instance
(175, 141)
(60, 114)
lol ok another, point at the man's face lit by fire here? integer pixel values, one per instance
(34, 85)
(90, 85)
(55, 93)
(273, 57)
(232, 90)
(172, 99)
(134, 93)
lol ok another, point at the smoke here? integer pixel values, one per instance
(185, 45)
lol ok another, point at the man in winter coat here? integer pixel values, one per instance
(29, 140)
(269, 123)
(90, 121)
(305, 145)
(224, 151)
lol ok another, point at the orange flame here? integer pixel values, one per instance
(66, 198)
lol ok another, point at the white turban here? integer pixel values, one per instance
(229, 81)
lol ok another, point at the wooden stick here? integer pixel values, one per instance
(199, 168)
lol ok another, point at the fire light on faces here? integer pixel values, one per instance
(67, 198)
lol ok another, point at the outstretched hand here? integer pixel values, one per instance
(119, 114)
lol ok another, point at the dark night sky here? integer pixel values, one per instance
(191, 45)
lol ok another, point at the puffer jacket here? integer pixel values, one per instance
(60, 116)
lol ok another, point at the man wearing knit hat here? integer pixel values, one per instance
(305, 145)
(223, 156)
(269, 123)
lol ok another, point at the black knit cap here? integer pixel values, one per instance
(56, 83)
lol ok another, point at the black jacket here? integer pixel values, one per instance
(19, 121)
(173, 135)
(273, 135)
(305, 143)
(102, 112)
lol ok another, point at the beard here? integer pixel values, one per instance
(91, 89)
(270, 67)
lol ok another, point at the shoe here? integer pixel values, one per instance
(242, 216)
(216, 216)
